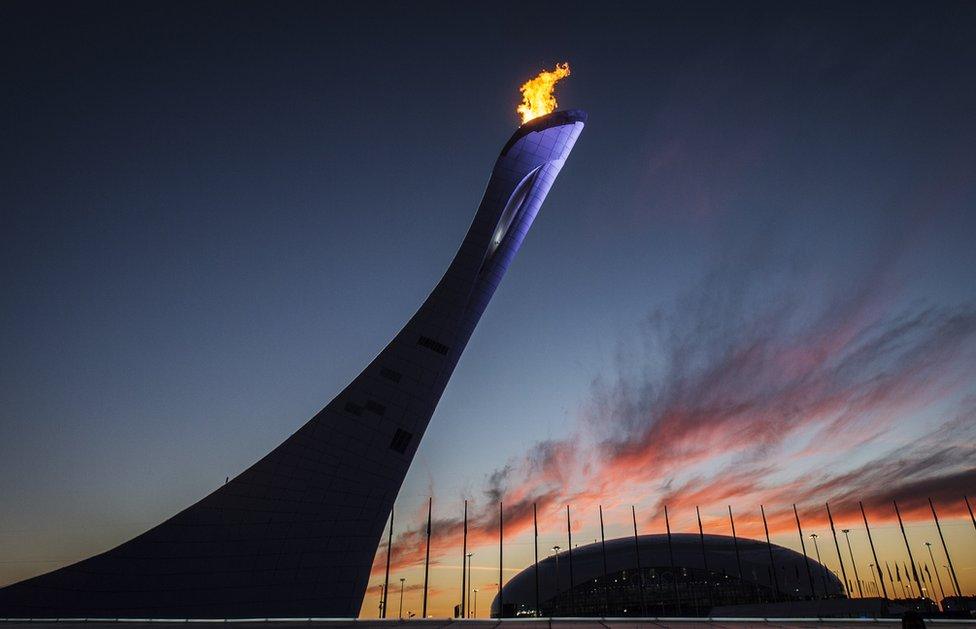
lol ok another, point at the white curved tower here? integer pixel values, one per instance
(295, 534)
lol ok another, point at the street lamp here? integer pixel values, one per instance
(402, 579)
(937, 577)
(948, 574)
(823, 568)
(470, 555)
(850, 549)
(555, 549)
(476, 602)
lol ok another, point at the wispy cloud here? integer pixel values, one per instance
(750, 391)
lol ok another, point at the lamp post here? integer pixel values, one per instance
(476, 602)
(402, 579)
(937, 577)
(468, 614)
(555, 549)
(850, 549)
(823, 575)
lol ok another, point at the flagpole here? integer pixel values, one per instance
(640, 572)
(430, 507)
(464, 562)
(501, 544)
(535, 527)
(701, 539)
(891, 579)
(606, 585)
(674, 577)
(907, 547)
(833, 531)
(877, 565)
(952, 570)
(735, 543)
(572, 580)
(701, 536)
(389, 551)
(769, 546)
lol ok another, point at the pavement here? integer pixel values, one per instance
(508, 623)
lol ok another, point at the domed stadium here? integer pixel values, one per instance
(697, 582)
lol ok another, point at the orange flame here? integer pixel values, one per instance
(537, 93)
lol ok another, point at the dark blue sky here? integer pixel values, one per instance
(213, 215)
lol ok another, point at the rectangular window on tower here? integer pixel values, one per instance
(432, 345)
(401, 440)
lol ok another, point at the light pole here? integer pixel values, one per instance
(402, 579)
(476, 602)
(937, 577)
(555, 549)
(468, 615)
(823, 568)
(847, 535)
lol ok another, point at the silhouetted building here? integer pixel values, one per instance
(960, 606)
(295, 534)
(689, 589)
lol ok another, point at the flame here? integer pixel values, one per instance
(537, 93)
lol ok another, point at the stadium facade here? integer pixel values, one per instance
(691, 576)
(295, 534)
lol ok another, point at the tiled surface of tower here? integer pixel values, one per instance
(295, 534)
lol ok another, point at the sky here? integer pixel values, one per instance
(753, 282)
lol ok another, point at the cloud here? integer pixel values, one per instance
(759, 386)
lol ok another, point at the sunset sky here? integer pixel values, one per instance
(753, 283)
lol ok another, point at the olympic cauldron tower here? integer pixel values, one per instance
(295, 534)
